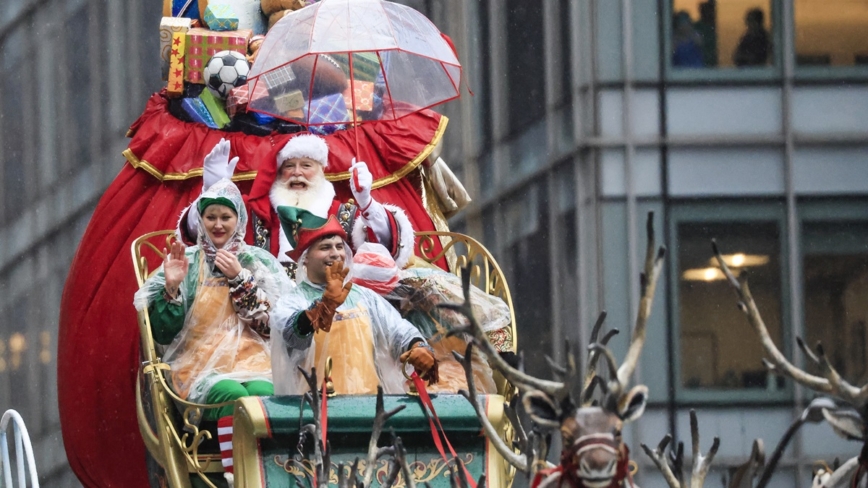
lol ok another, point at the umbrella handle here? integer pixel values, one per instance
(356, 180)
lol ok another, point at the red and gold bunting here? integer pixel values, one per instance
(176, 64)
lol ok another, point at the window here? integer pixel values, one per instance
(721, 34)
(835, 284)
(831, 32)
(525, 49)
(718, 351)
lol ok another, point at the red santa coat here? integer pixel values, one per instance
(98, 347)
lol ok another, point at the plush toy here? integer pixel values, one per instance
(253, 48)
(276, 9)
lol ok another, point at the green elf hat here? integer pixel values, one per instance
(303, 228)
(206, 202)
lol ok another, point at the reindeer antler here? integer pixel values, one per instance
(474, 330)
(700, 463)
(831, 383)
(648, 284)
(375, 453)
(520, 461)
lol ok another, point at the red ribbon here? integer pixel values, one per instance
(432, 417)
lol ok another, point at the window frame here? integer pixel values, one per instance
(821, 210)
(724, 210)
(717, 74)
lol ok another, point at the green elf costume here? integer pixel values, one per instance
(218, 329)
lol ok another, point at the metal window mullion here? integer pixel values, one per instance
(551, 56)
(629, 149)
(793, 227)
(499, 102)
(581, 224)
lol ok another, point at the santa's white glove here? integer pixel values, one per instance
(217, 165)
(361, 181)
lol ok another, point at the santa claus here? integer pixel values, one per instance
(301, 182)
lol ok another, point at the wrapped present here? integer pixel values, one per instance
(330, 108)
(193, 9)
(289, 102)
(202, 44)
(175, 75)
(215, 108)
(239, 97)
(364, 96)
(169, 26)
(248, 13)
(277, 79)
(197, 111)
(221, 17)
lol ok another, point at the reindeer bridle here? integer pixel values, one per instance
(570, 459)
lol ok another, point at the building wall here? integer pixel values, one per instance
(584, 119)
(75, 74)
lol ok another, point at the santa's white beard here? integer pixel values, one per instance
(317, 199)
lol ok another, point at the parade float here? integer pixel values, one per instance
(363, 74)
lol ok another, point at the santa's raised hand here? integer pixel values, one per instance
(217, 164)
(362, 180)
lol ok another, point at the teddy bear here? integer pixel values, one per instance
(276, 9)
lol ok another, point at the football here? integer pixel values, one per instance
(225, 71)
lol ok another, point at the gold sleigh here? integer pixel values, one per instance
(167, 422)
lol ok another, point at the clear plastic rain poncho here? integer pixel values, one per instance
(365, 342)
(416, 293)
(217, 341)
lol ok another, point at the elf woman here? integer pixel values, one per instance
(211, 304)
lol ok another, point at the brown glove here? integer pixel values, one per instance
(422, 359)
(322, 314)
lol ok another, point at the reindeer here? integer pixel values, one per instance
(847, 415)
(593, 454)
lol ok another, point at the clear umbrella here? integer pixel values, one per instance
(341, 62)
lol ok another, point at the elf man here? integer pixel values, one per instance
(327, 316)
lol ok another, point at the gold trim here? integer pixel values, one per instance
(137, 163)
(414, 163)
(409, 167)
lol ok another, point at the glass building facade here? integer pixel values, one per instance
(735, 120)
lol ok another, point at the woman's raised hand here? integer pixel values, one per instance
(175, 266)
(227, 263)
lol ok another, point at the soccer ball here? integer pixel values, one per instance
(225, 71)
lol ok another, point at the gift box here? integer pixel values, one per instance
(289, 102)
(239, 97)
(277, 79)
(202, 44)
(175, 69)
(197, 111)
(247, 12)
(330, 108)
(215, 108)
(169, 26)
(193, 9)
(364, 96)
(221, 17)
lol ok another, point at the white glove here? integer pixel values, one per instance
(361, 181)
(217, 165)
